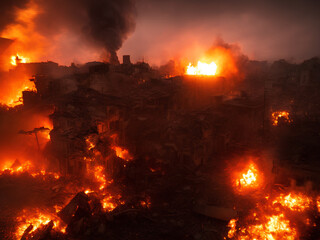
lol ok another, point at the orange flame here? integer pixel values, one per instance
(202, 69)
(18, 59)
(248, 179)
(284, 115)
(37, 219)
(26, 167)
(295, 202)
(122, 153)
(13, 97)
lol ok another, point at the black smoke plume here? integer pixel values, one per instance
(99, 23)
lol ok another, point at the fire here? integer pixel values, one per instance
(36, 219)
(122, 153)
(295, 202)
(27, 40)
(248, 179)
(203, 69)
(13, 168)
(100, 177)
(108, 204)
(90, 143)
(26, 167)
(275, 227)
(276, 218)
(283, 115)
(16, 59)
(218, 61)
(13, 97)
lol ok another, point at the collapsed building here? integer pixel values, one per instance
(168, 138)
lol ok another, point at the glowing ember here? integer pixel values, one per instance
(26, 167)
(108, 204)
(202, 69)
(249, 179)
(275, 227)
(232, 225)
(37, 219)
(146, 203)
(16, 168)
(276, 218)
(295, 202)
(122, 153)
(100, 177)
(15, 60)
(90, 144)
(283, 115)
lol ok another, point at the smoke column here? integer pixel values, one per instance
(101, 24)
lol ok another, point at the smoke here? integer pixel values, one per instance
(7, 11)
(265, 30)
(75, 26)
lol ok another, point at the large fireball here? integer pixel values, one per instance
(204, 69)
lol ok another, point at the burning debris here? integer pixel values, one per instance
(105, 150)
(251, 179)
(282, 116)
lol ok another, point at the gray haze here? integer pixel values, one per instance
(263, 29)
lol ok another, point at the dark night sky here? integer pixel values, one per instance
(265, 30)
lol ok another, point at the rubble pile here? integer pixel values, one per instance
(134, 153)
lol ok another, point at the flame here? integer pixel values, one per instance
(13, 96)
(203, 69)
(122, 153)
(37, 219)
(18, 59)
(100, 177)
(90, 143)
(248, 179)
(295, 202)
(26, 167)
(284, 115)
(218, 61)
(276, 218)
(108, 204)
(27, 40)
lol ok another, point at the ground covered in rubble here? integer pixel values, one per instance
(160, 208)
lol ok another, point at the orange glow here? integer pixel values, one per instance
(46, 123)
(203, 69)
(318, 203)
(218, 61)
(108, 204)
(37, 219)
(100, 177)
(18, 59)
(122, 153)
(26, 39)
(146, 203)
(8, 168)
(13, 96)
(248, 179)
(275, 227)
(90, 143)
(232, 225)
(284, 115)
(26, 167)
(276, 218)
(295, 202)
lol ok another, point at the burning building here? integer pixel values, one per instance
(220, 147)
